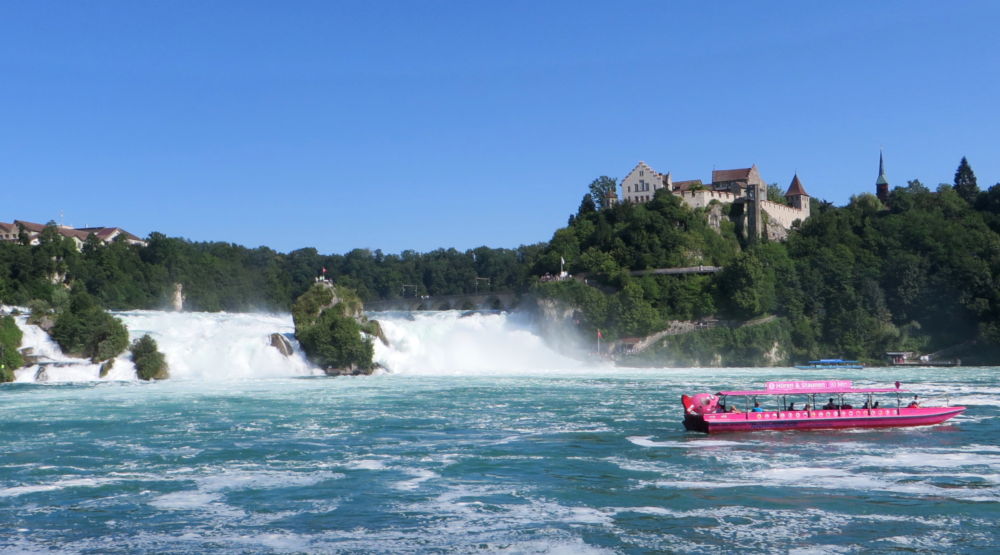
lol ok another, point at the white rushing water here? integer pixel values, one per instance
(453, 343)
(224, 346)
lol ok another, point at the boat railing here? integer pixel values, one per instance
(781, 414)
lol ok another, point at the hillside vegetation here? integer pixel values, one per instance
(921, 273)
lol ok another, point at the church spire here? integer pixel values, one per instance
(882, 183)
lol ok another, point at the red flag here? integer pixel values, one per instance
(599, 336)
(324, 270)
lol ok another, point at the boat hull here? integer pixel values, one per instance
(818, 420)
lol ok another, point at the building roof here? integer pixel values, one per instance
(686, 185)
(882, 180)
(644, 165)
(8, 228)
(742, 174)
(109, 233)
(796, 188)
(105, 234)
(60, 229)
(30, 226)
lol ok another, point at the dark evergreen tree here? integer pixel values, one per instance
(587, 206)
(965, 182)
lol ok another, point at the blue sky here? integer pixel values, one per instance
(420, 125)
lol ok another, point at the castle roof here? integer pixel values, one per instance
(742, 174)
(796, 188)
(644, 165)
(685, 185)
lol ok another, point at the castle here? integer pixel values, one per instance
(742, 186)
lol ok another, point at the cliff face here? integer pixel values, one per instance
(558, 323)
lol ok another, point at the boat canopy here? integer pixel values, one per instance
(812, 386)
(834, 361)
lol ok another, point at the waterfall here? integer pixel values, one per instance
(451, 342)
(197, 345)
(228, 346)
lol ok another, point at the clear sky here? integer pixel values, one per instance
(427, 124)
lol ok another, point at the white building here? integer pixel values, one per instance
(727, 187)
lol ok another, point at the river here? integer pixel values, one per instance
(478, 439)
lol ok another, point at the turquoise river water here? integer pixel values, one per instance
(589, 461)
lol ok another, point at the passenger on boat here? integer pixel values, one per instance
(867, 405)
(756, 407)
(734, 409)
(791, 406)
(914, 404)
(830, 405)
(807, 407)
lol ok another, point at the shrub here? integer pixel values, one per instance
(150, 364)
(329, 332)
(10, 341)
(86, 330)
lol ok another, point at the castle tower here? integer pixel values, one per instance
(882, 184)
(756, 191)
(797, 195)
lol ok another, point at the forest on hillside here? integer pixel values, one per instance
(919, 273)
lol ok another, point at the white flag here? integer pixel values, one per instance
(562, 260)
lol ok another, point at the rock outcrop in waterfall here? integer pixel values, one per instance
(331, 328)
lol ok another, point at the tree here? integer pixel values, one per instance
(150, 363)
(965, 182)
(587, 206)
(10, 340)
(86, 330)
(335, 342)
(775, 194)
(601, 188)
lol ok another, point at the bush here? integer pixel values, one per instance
(328, 325)
(150, 364)
(10, 341)
(335, 341)
(86, 330)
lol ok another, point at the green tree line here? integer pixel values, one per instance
(222, 276)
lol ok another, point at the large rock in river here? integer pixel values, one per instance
(282, 344)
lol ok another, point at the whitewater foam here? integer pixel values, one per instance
(206, 346)
(451, 343)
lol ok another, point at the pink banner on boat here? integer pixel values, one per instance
(807, 386)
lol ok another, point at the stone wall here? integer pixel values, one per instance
(784, 215)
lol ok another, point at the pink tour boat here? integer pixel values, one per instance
(711, 414)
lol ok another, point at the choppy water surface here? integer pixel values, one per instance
(568, 462)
